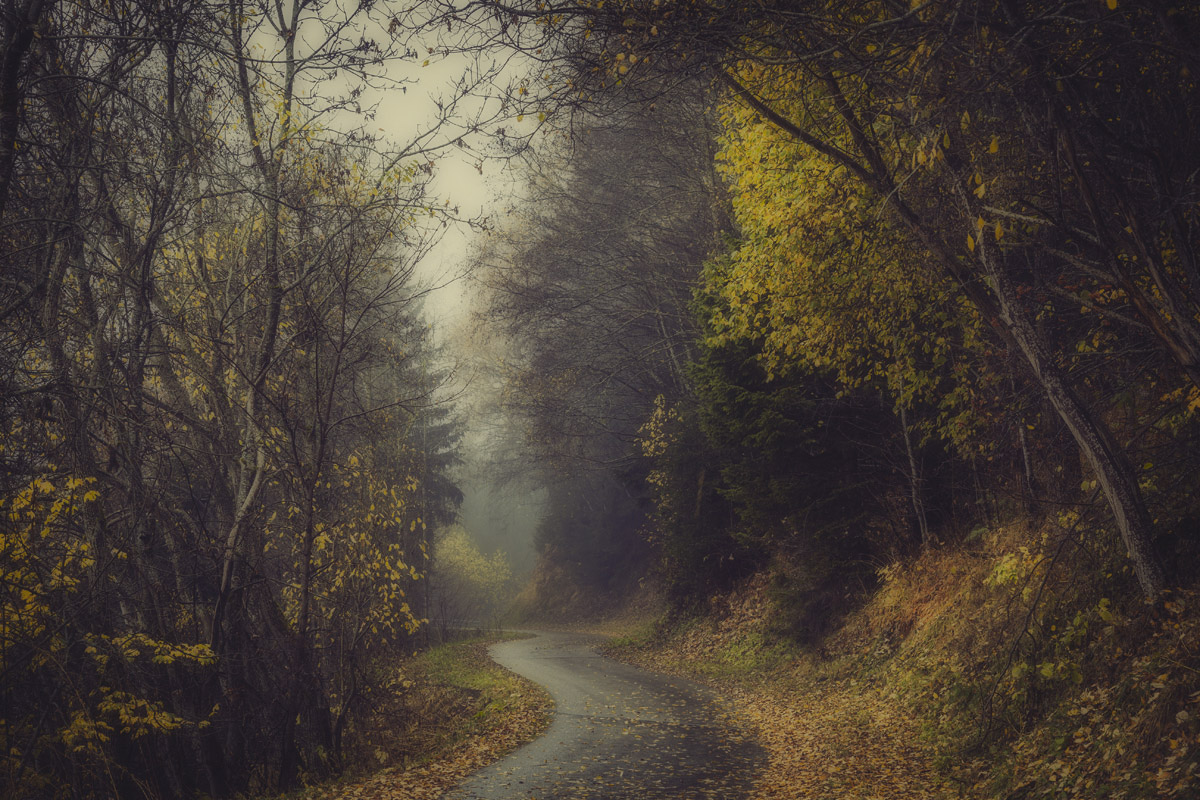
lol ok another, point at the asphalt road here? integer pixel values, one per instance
(618, 732)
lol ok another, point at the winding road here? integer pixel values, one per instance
(618, 732)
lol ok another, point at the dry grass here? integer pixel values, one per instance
(993, 671)
(460, 713)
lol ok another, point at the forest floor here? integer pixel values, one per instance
(952, 681)
(828, 734)
(453, 711)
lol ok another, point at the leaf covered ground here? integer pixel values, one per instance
(459, 712)
(954, 680)
(827, 736)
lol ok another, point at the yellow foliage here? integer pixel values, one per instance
(469, 584)
(43, 552)
(360, 573)
(823, 276)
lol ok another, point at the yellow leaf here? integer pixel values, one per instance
(999, 231)
(994, 146)
(971, 243)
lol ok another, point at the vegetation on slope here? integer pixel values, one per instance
(982, 671)
(448, 711)
(958, 283)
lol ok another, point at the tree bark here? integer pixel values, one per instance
(914, 483)
(1112, 468)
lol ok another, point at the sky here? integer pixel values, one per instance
(471, 180)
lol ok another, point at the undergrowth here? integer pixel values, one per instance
(440, 715)
(1019, 665)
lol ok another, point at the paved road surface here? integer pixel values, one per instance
(618, 732)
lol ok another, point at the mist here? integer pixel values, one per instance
(503, 517)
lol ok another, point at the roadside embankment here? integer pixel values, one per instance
(452, 711)
(975, 671)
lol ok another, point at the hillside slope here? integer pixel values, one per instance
(977, 671)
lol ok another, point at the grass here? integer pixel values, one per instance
(458, 693)
(455, 666)
(639, 634)
(452, 711)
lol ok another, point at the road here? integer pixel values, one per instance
(618, 732)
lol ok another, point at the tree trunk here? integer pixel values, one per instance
(1001, 308)
(1031, 485)
(1112, 468)
(914, 483)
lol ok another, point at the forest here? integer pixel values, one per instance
(875, 312)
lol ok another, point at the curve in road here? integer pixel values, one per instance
(618, 732)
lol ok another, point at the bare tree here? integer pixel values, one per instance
(591, 279)
(208, 319)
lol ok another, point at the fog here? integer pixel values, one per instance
(499, 512)
(504, 518)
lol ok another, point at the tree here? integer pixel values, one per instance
(471, 588)
(918, 105)
(212, 369)
(591, 279)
